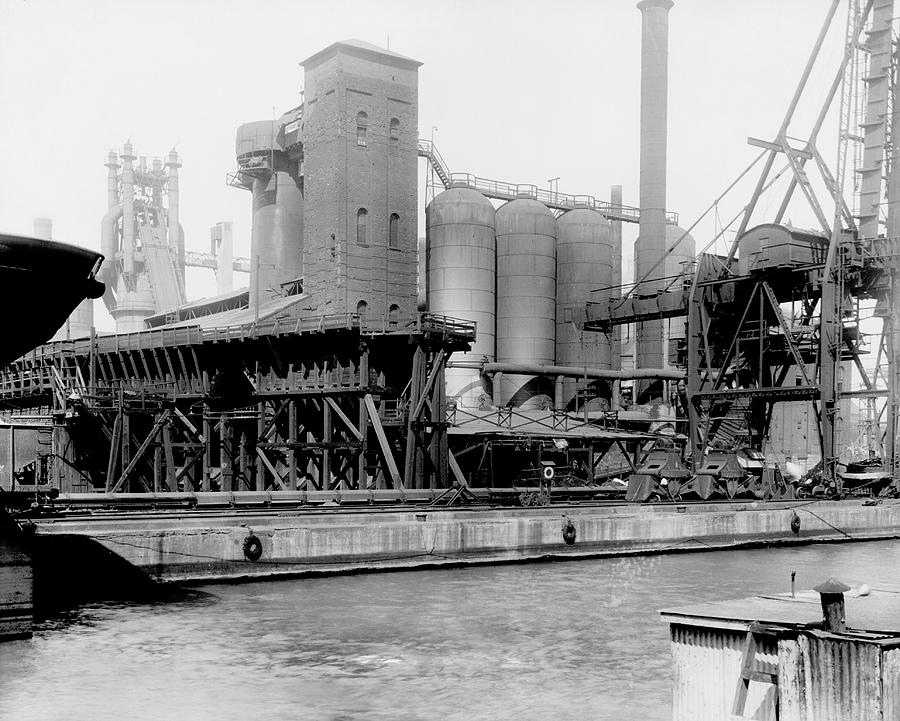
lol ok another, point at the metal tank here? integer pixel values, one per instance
(276, 240)
(585, 261)
(650, 245)
(676, 263)
(526, 298)
(460, 277)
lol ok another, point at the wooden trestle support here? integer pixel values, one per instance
(341, 409)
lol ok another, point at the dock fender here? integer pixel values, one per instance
(569, 532)
(795, 523)
(252, 547)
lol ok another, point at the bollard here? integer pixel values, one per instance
(832, 592)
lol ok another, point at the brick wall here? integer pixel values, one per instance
(341, 177)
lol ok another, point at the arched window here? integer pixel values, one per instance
(395, 136)
(362, 123)
(362, 308)
(394, 231)
(393, 315)
(362, 216)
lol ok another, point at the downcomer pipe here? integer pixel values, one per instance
(651, 244)
(109, 245)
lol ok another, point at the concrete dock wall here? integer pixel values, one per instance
(201, 546)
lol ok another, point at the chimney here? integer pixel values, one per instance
(651, 243)
(129, 242)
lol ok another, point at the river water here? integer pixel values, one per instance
(566, 640)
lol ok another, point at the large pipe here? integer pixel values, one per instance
(128, 235)
(112, 179)
(672, 374)
(651, 244)
(615, 201)
(109, 245)
(176, 240)
(221, 235)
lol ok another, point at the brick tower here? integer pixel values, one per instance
(360, 134)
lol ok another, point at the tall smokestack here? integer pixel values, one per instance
(176, 240)
(112, 181)
(128, 232)
(650, 246)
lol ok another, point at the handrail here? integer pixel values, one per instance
(196, 335)
(510, 191)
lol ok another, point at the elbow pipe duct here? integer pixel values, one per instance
(672, 374)
(109, 245)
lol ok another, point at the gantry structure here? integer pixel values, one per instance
(778, 318)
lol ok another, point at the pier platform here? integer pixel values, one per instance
(251, 543)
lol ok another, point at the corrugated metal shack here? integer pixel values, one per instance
(770, 657)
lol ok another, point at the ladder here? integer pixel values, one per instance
(749, 673)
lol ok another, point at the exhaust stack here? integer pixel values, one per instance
(650, 246)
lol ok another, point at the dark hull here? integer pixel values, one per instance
(41, 283)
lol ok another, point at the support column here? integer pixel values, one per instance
(325, 479)
(292, 439)
(260, 430)
(207, 452)
(412, 470)
(226, 474)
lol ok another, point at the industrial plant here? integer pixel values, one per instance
(359, 389)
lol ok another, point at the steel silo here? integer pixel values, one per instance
(276, 238)
(460, 262)
(585, 261)
(526, 295)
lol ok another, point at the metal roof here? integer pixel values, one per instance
(364, 49)
(878, 612)
(243, 316)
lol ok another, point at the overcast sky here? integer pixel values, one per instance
(519, 90)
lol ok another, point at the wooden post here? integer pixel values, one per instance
(439, 444)
(207, 452)
(126, 444)
(361, 479)
(157, 467)
(225, 471)
(832, 593)
(292, 439)
(260, 430)
(244, 465)
(412, 477)
(170, 459)
(325, 478)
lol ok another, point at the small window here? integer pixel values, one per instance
(362, 308)
(395, 136)
(362, 124)
(393, 315)
(362, 216)
(394, 231)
